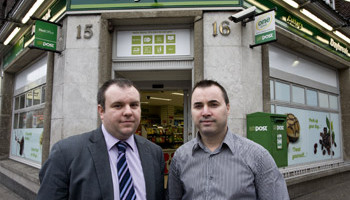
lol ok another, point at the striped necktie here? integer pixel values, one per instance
(126, 186)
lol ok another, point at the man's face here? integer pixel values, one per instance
(122, 112)
(209, 110)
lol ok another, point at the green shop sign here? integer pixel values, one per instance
(141, 4)
(45, 35)
(16, 49)
(298, 26)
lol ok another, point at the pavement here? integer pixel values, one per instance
(7, 194)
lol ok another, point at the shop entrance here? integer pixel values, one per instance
(165, 116)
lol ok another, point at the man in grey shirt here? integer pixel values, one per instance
(218, 164)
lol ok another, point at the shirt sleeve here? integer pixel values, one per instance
(53, 177)
(269, 181)
(175, 188)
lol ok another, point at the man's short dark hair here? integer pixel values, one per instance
(120, 82)
(208, 83)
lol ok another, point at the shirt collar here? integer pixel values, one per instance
(228, 141)
(111, 140)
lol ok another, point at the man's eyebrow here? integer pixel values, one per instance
(214, 101)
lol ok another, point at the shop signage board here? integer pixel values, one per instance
(298, 26)
(16, 49)
(45, 35)
(265, 28)
(150, 43)
(141, 4)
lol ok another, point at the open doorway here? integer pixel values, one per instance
(165, 115)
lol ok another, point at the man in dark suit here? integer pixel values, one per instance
(86, 166)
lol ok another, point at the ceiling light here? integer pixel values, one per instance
(295, 63)
(32, 11)
(29, 41)
(161, 99)
(12, 35)
(307, 31)
(177, 93)
(259, 5)
(316, 19)
(321, 39)
(292, 3)
(342, 36)
(58, 14)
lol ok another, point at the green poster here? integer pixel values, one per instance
(170, 38)
(136, 39)
(136, 50)
(159, 49)
(147, 39)
(147, 50)
(159, 39)
(170, 49)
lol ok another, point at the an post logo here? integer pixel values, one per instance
(260, 128)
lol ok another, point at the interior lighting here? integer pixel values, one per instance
(321, 39)
(259, 5)
(11, 36)
(307, 31)
(295, 63)
(161, 99)
(29, 41)
(53, 19)
(292, 3)
(342, 36)
(177, 93)
(32, 11)
(316, 19)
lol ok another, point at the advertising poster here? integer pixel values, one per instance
(153, 43)
(312, 136)
(26, 143)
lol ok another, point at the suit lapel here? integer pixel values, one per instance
(146, 162)
(98, 150)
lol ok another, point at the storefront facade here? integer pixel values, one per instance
(164, 50)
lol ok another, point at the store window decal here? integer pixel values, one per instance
(313, 129)
(28, 125)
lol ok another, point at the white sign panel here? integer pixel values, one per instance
(176, 42)
(265, 27)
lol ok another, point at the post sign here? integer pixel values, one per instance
(45, 35)
(265, 28)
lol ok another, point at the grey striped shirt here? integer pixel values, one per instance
(238, 169)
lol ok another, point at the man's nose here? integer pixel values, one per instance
(127, 110)
(206, 111)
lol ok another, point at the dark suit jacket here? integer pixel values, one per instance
(78, 168)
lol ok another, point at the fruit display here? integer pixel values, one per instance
(293, 128)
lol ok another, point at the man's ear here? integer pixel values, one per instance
(228, 108)
(100, 111)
